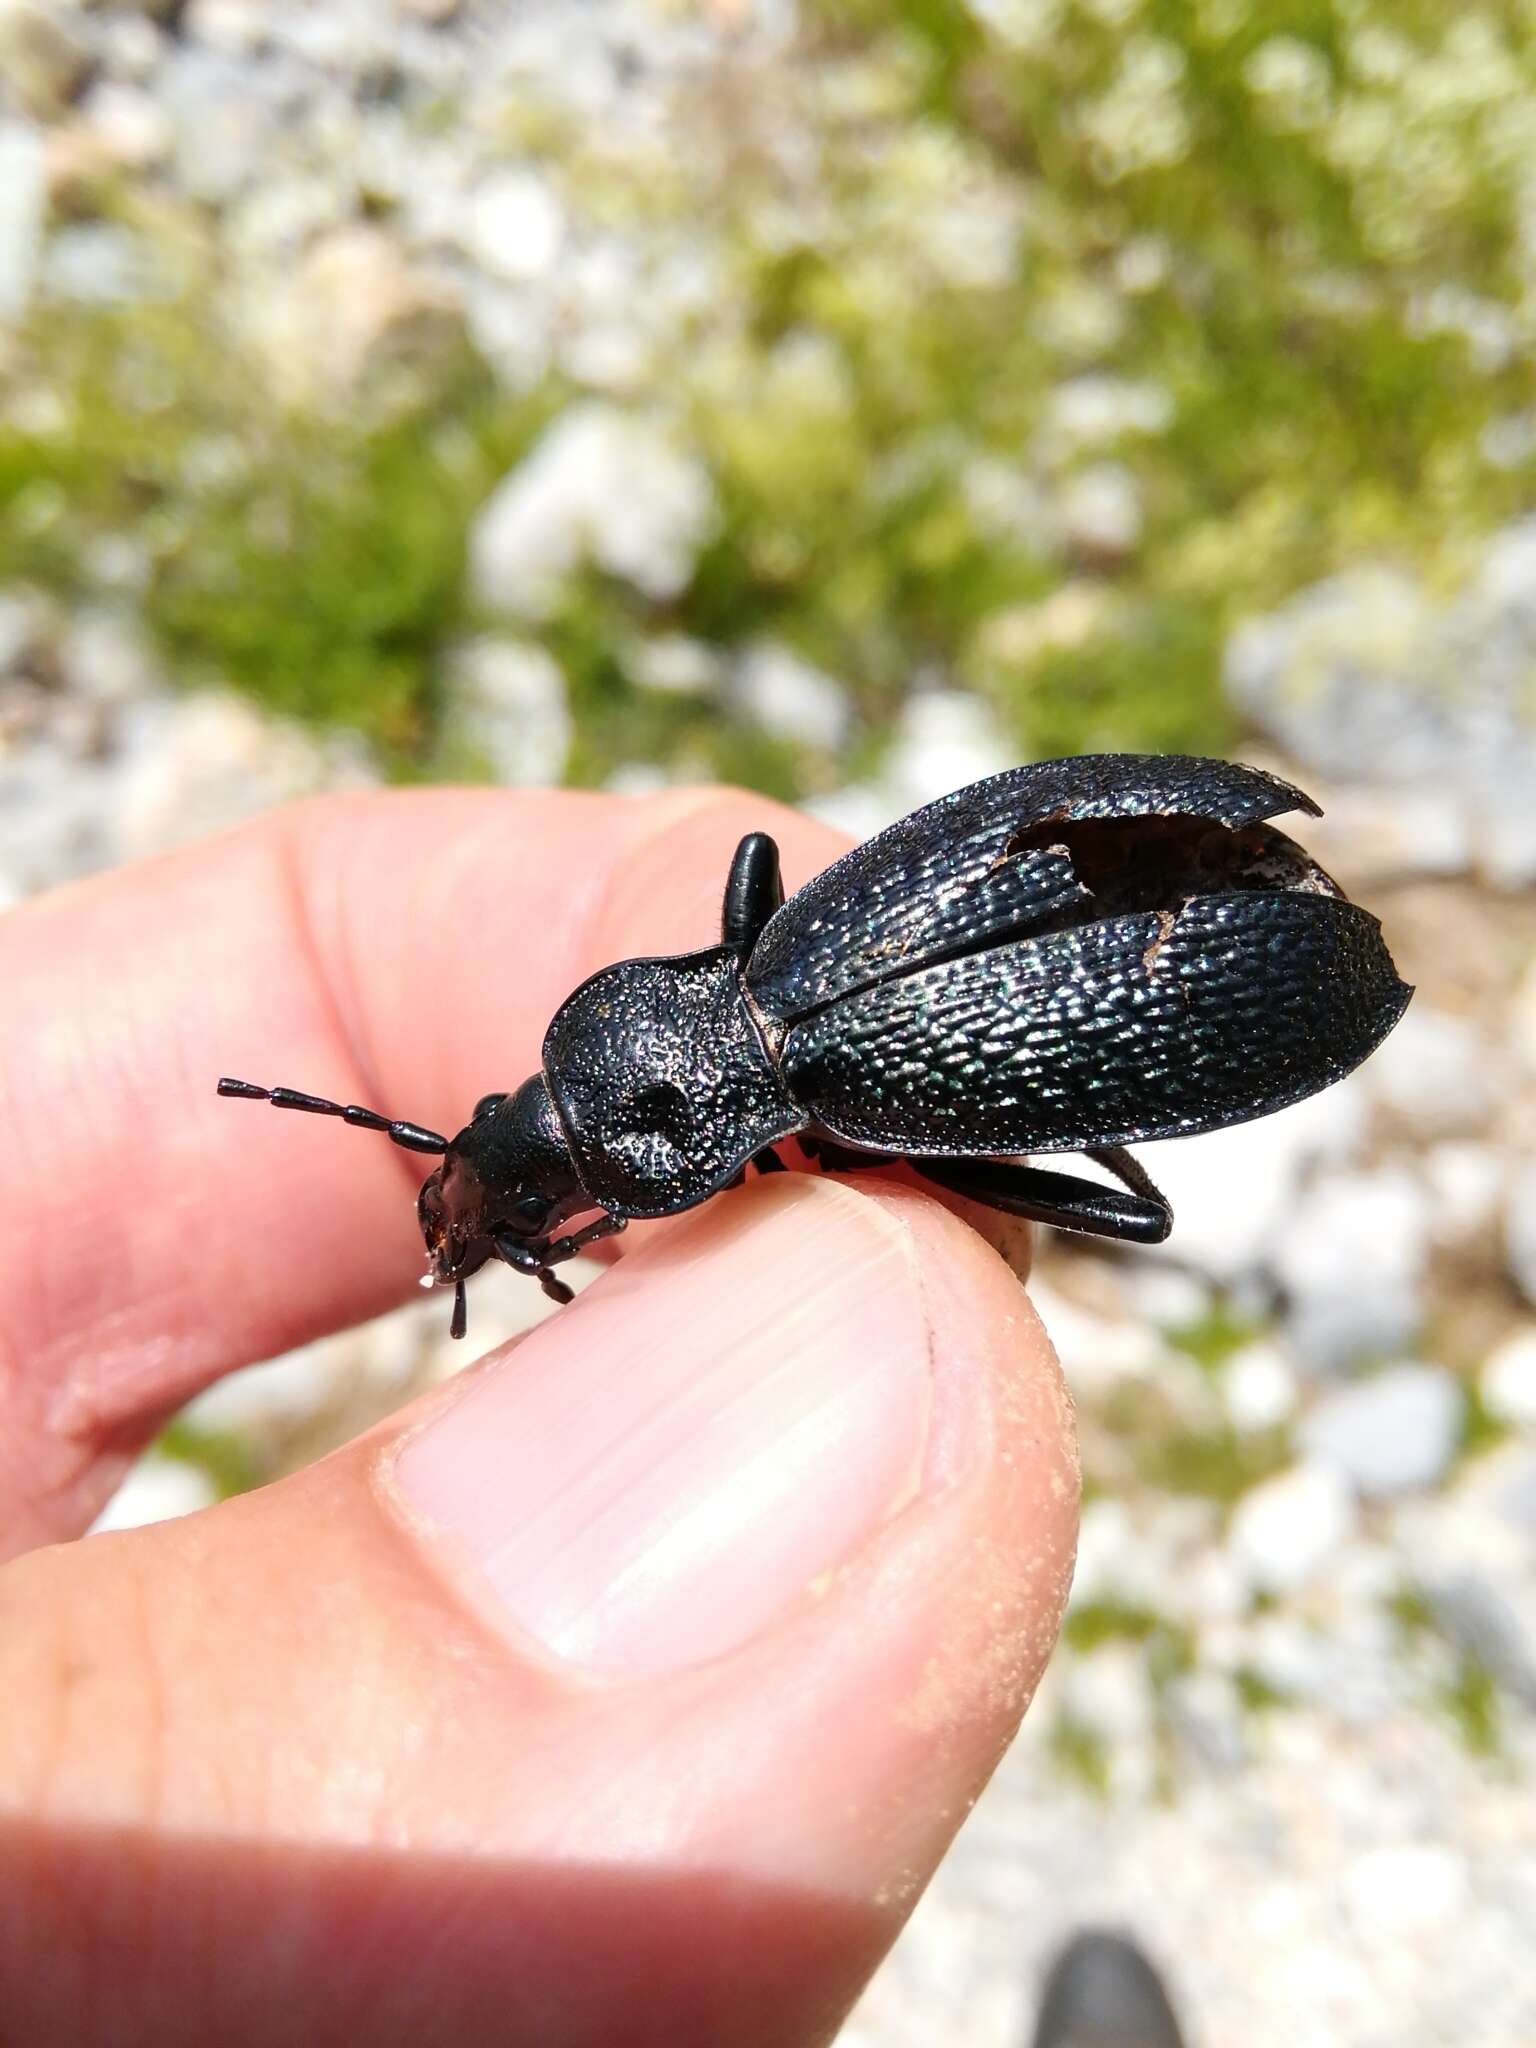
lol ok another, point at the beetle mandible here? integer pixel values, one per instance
(1069, 957)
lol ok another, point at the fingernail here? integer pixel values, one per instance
(724, 1418)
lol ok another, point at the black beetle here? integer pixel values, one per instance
(1070, 957)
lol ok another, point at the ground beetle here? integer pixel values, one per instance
(1070, 957)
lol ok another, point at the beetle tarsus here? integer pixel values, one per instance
(1140, 1217)
(460, 1323)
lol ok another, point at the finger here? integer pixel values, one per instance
(403, 951)
(628, 1690)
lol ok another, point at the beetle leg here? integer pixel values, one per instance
(536, 1256)
(1139, 1217)
(556, 1250)
(834, 1158)
(768, 1161)
(754, 889)
(532, 1259)
(1129, 1171)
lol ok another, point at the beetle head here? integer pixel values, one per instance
(508, 1173)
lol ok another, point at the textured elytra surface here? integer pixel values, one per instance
(661, 1082)
(953, 875)
(1150, 1025)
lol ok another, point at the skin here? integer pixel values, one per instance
(334, 1761)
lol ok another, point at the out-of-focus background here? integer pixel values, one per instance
(853, 399)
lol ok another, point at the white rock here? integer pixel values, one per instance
(1206, 1714)
(128, 45)
(674, 665)
(1108, 1690)
(42, 55)
(1017, 635)
(1436, 1071)
(515, 226)
(1090, 410)
(128, 124)
(859, 813)
(1466, 1185)
(1007, 501)
(1101, 510)
(284, 1391)
(157, 1489)
(54, 821)
(1392, 1433)
(603, 484)
(1097, 1350)
(1215, 1590)
(117, 562)
(1167, 1297)
(511, 328)
(223, 130)
(1508, 1380)
(352, 305)
(235, 28)
(1406, 1890)
(791, 698)
(1114, 1560)
(27, 630)
(608, 317)
(1405, 830)
(944, 739)
(1491, 1622)
(1141, 264)
(1505, 830)
(99, 264)
(196, 764)
(107, 660)
(637, 778)
(1290, 1656)
(1258, 1387)
(23, 195)
(1522, 1021)
(1366, 675)
(1479, 1532)
(511, 701)
(1351, 1258)
(1324, 675)
(1233, 1191)
(1520, 1228)
(1286, 1529)
(347, 40)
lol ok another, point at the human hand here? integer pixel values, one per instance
(627, 1689)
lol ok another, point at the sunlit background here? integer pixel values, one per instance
(851, 400)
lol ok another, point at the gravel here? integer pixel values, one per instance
(1304, 1608)
(1394, 1433)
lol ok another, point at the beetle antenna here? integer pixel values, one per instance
(412, 1136)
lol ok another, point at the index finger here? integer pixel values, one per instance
(402, 950)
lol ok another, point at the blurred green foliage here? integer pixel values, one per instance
(1259, 271)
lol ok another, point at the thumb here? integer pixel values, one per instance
(627, 1690)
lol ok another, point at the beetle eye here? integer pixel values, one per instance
(530, 1209)
(486, 1104)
